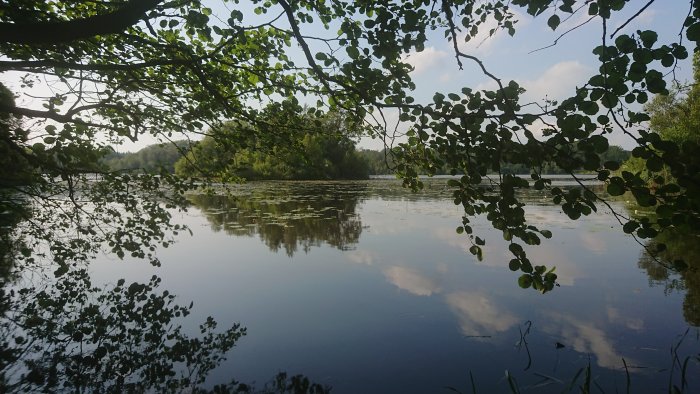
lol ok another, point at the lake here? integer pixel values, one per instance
(367, 287)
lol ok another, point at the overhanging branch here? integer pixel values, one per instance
(64, 31)
(22, 64)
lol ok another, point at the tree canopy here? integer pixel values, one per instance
(151, 159)
(174, 69)
(317, 147)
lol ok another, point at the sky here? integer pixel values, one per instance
(552, 73)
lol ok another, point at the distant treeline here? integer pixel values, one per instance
(381, 162)
(149, 159)
(614, 153)
(314, 158)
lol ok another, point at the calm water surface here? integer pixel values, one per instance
(366, 287)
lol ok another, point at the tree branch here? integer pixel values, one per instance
(64, 31)
(632, 18)
(13, 65)
(62, 118)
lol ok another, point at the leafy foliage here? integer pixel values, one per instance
(318, 147)
(674, 121)
(151, 159)
(326, 213)
(122, 69)
(73, 336)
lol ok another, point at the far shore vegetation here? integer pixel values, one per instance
(316, 159)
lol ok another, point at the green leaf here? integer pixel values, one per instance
(630, 226)
(439, 98)
(655, 82)
(353, 52)
(612, 165)
(668, 60)
(693, 32)
(474, 250)
(593, 9)
(553, 21)
(525, 281)
(616, 189)
(609, 100)
(648, 38)
(625, 43)
(655, 164)
(600, 143)
(514, 265)
(665, 211)
(61, 270)
(515, 249)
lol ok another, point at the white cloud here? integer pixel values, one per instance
(557, 82)
(411, 281)
(484, 43)
(594, 242)
(496, 252)
(633, 323)
(478, 315)
(554, 256)
(361, 257)
(646, 18)
(575, 21)
(584, 337)
(445, 77)
(425, 60)
(449, 236)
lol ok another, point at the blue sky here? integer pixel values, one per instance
(553, 72)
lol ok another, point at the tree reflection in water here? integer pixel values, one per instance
(65, 334)
(68, 335)
(289, 215)
(677, 268)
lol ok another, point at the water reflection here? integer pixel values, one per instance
(586, 337)
(62, 333)
(479, 315)
(666, 270)
(411, 280)
(362, 257)
(289, 221)
(617, 317)
(65, 334)
(386, 293)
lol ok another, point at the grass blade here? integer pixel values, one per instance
(574, 379)
(627, 373)
(511, 382)
(586, 389)
(471, 378)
